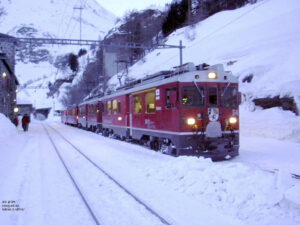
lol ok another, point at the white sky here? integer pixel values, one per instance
(119, 7)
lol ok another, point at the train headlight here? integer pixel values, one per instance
(191, 121)
(212, 75)
(120, 118)
(232, 120)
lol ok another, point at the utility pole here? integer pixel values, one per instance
(80, 8)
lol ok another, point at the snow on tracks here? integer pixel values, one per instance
(105, 211)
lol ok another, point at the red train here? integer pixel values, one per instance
(191, 110)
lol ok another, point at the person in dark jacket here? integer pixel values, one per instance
(16, 121)
(25, 122)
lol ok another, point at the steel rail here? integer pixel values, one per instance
(73, 180)
(164, 221)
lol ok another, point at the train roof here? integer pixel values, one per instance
(186, 73)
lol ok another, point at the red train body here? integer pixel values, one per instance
(189, 111)
(90, 115)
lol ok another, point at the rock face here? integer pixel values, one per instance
(286, 103)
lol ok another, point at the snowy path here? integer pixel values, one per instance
(37, 182)
(183, 190)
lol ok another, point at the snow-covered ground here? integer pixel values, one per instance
(254, 188)
(184, 190)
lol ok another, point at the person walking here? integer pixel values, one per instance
(16, 121)
(25, 122)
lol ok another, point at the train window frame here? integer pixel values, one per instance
(101, 107)
(108, 107)
(115, 106)
(169, 103)
(137, 104)
(119, 107)
(193, 89)
(210, 96)
(150, 102)
(225, 97)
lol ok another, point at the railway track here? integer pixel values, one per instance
(100, 170)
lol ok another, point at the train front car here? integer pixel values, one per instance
(209, 114)
(192, 110)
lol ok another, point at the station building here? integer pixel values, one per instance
(8, 79)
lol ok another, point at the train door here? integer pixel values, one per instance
(130, 114)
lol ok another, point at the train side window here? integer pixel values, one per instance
(101, 107)
(137, 104)
(119, 106)
(150, 102)
(115, 106)
(213, 96)
(171, 97)
(108, 107)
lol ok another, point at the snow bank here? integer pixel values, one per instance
(272, 123)
(245, 192)
(6, 127)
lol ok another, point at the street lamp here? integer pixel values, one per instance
(16, 109)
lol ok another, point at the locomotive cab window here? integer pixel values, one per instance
(192, 96)
(229, 97)
(137, 104)
(171, 97)
(213, 96)
(150, 102)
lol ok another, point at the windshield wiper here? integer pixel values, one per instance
(225, 89)
(202, 95)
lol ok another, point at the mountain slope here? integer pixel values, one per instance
(49, 19)
(261, 39)
(58, 17)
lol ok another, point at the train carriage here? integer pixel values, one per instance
(72, 116)
(94, 115)
(189, 111)
(82, 115)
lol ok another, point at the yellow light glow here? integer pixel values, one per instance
(16, 109)
(4, 75)
(191, 121)
(119, 118)
(232, 120)
(212, 75)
